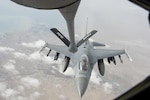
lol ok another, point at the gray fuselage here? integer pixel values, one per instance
(84, 62)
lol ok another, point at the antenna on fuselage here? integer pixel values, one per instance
(86, 29)
(86, 25)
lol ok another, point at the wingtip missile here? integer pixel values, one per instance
(128, 55)
(43, 47)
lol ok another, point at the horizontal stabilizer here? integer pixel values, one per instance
(61, 36)
(85, 38)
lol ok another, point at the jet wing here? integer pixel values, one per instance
(60, 49)
(106, 53)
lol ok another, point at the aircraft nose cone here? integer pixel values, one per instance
(82, 84)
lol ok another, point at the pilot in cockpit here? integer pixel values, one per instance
(83, 64)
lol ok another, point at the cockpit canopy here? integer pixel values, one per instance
(83, 63)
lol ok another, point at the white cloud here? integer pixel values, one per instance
(8, 93)
(22, 98)
(20, 88)
(2, 87)
(106, 63)
(107, 87)
(33, 96)
(94, 78)
(36, 94)
(36, 44)
(58, 86)
(69, 72)
(12, 61)
(53, 71)
(62, 97)
(6, 49)
(30, 82)
(54, 67)
(11, 68)
(41, 57)
(20, 55)
(35, 56)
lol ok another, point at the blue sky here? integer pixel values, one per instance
(104, 13)
(14, 17)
